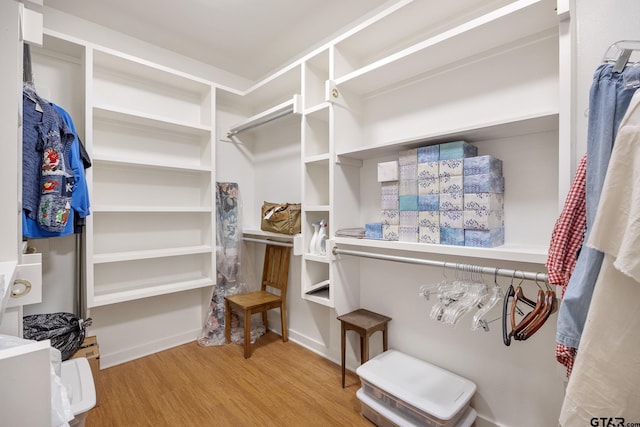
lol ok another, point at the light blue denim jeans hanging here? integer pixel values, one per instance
(609, 98)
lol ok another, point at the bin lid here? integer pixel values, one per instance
(77, 378)
(434, 390)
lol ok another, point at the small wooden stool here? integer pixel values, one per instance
(365, 323)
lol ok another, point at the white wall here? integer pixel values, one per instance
(599, 24)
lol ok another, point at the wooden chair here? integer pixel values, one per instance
(275, 274)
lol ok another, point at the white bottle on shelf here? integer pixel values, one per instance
(314, 238)
(321, 239)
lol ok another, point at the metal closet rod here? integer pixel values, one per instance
(243, 128)
(267, 242)
(519, 274)
(293, 106)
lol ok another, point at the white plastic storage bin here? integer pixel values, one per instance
(77, 378)
(420, 392)
(383, 416)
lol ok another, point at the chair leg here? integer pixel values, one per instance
(385, 339)
(283, 320)
(265, 321)
(343, 342)
(247, 334)
(227, 321)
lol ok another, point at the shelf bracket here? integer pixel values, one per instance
(332, 93)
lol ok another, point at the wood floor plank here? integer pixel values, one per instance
(282, 384)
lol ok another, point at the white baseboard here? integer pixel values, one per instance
(147, 348)
(483, 422)
(311, 344)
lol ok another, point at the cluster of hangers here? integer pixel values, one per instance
(541, 309)
(468, 292)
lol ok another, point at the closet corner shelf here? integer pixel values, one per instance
(149, 254)
(266, 235)
(114, 296)
(138, 118)
(286, 80)
(516, 253)
(315, 208)
(316, 258)
(515, 21)
(319, 111)
(321, 297)
(318, 158)
(507, 128)
(295, 241)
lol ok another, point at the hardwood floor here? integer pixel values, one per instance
(282, 384)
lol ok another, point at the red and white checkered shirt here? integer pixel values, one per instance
(566, 240)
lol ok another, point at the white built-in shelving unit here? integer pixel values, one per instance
(150, 136)
(434, 81)
(483, 72)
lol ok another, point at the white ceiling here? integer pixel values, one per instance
(246, 37)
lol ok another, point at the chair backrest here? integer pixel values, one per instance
(275, 272)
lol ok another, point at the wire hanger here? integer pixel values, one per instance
(487, 303)
(549, 306)
(510, 294)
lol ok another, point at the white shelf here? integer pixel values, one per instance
(114, 296)
(317, 158)
(252, 232)
(320, 297)
(149, 254)
(517, 126)
(126, 162)
(139, 118)
(277, 88)
(319, 111)
(316, 258)
(316, 208)
(132, 209)
(515, 21)
(535, 255)
(137, 68)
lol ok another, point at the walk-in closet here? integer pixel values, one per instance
(455, 181)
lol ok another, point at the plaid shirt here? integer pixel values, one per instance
(566, 240)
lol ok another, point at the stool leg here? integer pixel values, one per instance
(385, 339)
(364, 349)
(342, 348)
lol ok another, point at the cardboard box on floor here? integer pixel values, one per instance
(91, 350)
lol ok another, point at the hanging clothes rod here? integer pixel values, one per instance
(452, 265)
(293, 106)
(267, 242)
